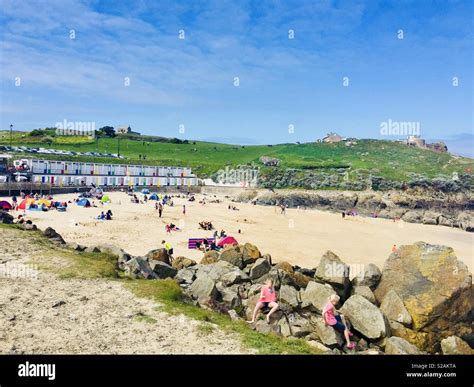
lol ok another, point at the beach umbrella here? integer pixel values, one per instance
(154, 196)
(145, 191)
(228, 240)
(4, 205)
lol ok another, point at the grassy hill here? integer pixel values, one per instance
(390, 160)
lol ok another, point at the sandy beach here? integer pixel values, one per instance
(299, 236)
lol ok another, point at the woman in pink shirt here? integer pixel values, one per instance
(267, 299)
(336, 321)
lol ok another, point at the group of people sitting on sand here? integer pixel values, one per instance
(234, 208)
(205, 225)
(267, 302)
(205, 245)
(105, 216)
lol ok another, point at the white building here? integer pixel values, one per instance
(71, 173)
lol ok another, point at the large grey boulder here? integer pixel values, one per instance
(182, 262)
(454, 345)
(210, 257)
(332, 270)
(215, 270)
(436, 288)
(365, 317)
(315, 296)
(228, 296)
(121, 255)
(369, 276)
(185, 276)
(53, 235)
(289, 295)
(327, 334)
(398, 346)
(299, 325)
(262, 327)
(365, 292)
(163, 270)
(203, 289)
(259, 268)
(392, 306)
(139, 267)
(235, 276)
(250, 253)
(234, 255)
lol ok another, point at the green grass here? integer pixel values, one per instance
(391, 160)
(166, 293)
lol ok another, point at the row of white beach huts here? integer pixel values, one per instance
(70, 173)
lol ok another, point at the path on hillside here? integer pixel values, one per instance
(97, 316)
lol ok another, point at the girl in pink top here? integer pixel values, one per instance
(267, 299)
(338, 322)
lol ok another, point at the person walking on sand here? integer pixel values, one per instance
(338, 321)
(160, 210)
(184, 210)
(267, 299)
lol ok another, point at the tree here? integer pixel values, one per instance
(108, 131)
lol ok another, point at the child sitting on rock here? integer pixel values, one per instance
(267, 300)
(336, 321)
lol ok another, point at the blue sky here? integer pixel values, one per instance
(283, 81)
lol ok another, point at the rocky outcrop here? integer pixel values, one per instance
(414, 205)
(435, 287)
(424, 294)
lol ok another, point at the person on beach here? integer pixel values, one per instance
(343, 214)
(394, 249)
(160, 210)
(184, 210)
(169, 249)
(267, 300)
(338, 321)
